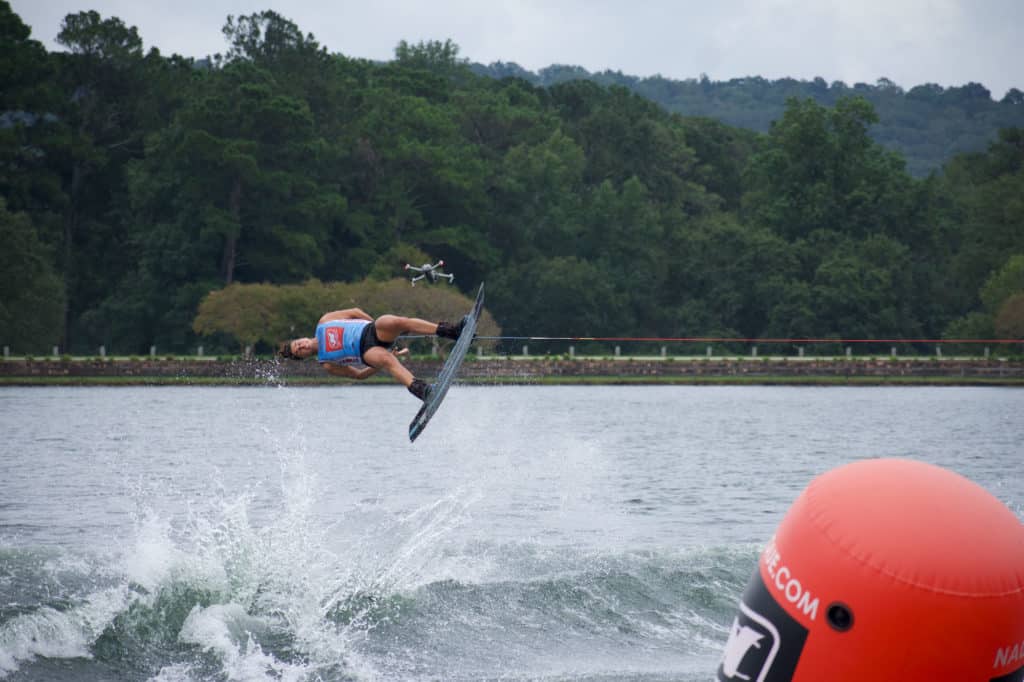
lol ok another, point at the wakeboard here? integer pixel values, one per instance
(448, 371)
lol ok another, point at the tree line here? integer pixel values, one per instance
(136, 186)
(927, 124)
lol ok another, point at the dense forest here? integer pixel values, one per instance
(134, 186)
(927, 124)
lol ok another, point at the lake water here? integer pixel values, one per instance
(553, 533)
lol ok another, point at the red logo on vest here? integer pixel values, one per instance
(334, 338)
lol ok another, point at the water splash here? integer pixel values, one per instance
(218, 593)
(54, 633)
(220, 596)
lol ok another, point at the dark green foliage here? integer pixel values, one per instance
(136, 185)
(927, 124)
(31, 295)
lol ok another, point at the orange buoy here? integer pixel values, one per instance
(885, 570)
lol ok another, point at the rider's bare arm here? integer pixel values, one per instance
(348, 371)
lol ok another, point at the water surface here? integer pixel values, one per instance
(558, 533)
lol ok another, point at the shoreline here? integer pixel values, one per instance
(108, 382)
(537, 370)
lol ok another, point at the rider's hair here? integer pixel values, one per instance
(284, 350)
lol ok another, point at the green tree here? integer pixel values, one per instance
(586, 207)
(988, 190)
(982, 212)
(537, 201)
(724, 277)
(239, 186)
(105, 72)
(1009, 322)
(24, 69)
(623, 235)
(231, 191)
(498, 116)
(560, 296)
(857, 291)
(265, 38)
(248, 313)
(415, 179)
(31, 292)
(819, 170)
(31, 132)
(253, 314)
(1004, 283)
(975, 325)
(432, 55)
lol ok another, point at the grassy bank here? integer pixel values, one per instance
(802, 380)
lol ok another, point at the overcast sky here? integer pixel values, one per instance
(949, 42)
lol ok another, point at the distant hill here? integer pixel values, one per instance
(927, 124)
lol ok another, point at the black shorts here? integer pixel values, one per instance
(369, 339)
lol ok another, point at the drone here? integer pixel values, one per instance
(431, 273)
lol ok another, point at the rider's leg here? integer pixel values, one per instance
(380, 357)
(389, 327)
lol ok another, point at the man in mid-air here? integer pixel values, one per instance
(344, 338)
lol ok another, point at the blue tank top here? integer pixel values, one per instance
(338, 341)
